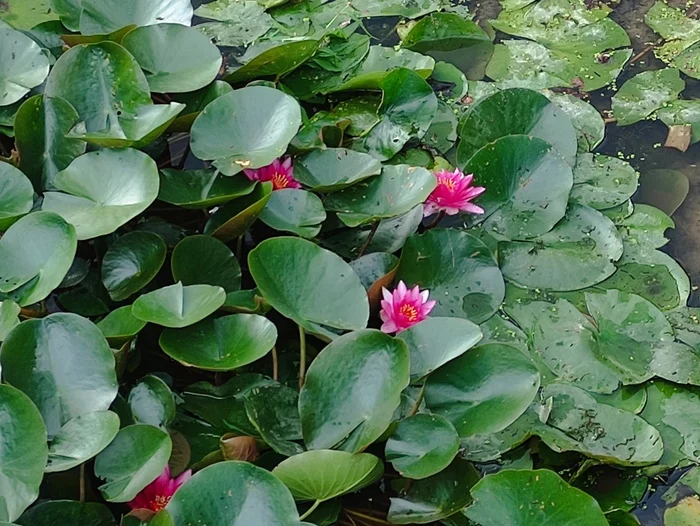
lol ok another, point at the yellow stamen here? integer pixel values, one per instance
(160, 502)
(409, 311)
(280, 181)
(447, 182)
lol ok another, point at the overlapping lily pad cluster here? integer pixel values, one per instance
(196, 248)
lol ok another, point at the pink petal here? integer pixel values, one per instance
(401, 289)
(469, 207)
(387, 295)
(389, 327)
(425, 295)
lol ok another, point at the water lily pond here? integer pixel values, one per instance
(355, 263)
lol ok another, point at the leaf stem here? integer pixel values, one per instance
(310, 510)
(275, 364)
(435, 222)
(418, 401)
(82, 483)
(369, 239)
(302, 361)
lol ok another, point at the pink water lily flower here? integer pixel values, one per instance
(158, 493)
(453, 194)
(280, 173)
(404, 308)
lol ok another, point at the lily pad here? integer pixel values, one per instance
(578, 253)
(175, 58)
(458, 389)
(527, 186)
(294, 210)
(108, 89)
(334, 169)
(408, 108)
(325, 474)
(68, 513)
(63, 363)
(645, 93)
(134, 459)
(22, 63)
(205, 260)
(437, 497)
(459, 271)
(238, 23)
(332, 296)
(435, 341)
(178, 306)
(151, 402)
(422, 445)
(80, 439)
(663, 188)
(100, 191)
(35, 255)
(201, 188)
(273, 58)
(680, 32)
(516, 111)
(41, 125)
(273, 410)
(261, 123)
(9, 311)
(16, 195)
(352, 389)
(23, 453)
(235, 217)
(394, 192)
(105, 16)
(404, 8)
(234, 493)
(603, 182)
(530, 498)
(588, 123)
(131, 263)
(221, 344)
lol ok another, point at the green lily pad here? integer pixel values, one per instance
(64, 364)
(205, 260)
(451, 38)
(394, 192)
(239, 23)
(201, 188)
(195, 102)
(408, 108)
(458, 389)
(80, 439)
(332, 296)
(234, 218)
(294, 210)
(458, 270)
(178, 306)
(352, 389)
(262, 123)
(422, 445)
(442, 133)
(35, 254)
(526, 64)
(273, 410)
(334, 169)
(273, 58)
(221, 344)
(175, 58)
(9, 312)
(645, 93)
(22, 454)
(680, 32)
(663, 188)
(527, 185)
(105, 16)
(578, 253)
(404, 8)
(436, 497)
(16, 195)
(682, 113)
(620, 437)
(588, 123)
(340, 54)
(108, 89)
(22, 64)
(100, 191)
(435, 341)
(234, 493)
(603, 182)
(325, 474)
(68, 513)
(516, 111)
(529, 498)
(134, 459)
(151, 402)
(23, 15)
(41, 126)
(131, 263)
